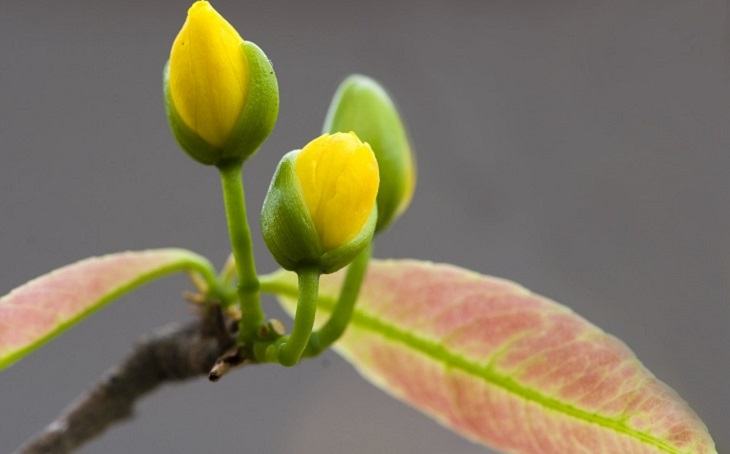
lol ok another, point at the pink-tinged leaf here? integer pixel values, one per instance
(503, 366)
(35, 312)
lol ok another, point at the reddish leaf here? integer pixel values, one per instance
(35, 312)
(506, 367)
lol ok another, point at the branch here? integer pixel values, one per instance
(174, 352)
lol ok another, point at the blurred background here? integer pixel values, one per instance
(580, 148)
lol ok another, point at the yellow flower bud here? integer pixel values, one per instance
(321, 206)
(208, 74)
(338, 175)
(221, 93)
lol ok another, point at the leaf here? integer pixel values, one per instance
(503, 366)
(35, 312)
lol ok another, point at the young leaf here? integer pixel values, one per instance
(503, 366)
(37, 311)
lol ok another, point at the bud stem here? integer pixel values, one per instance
(234, 199)
(342, 313)
(289, 349)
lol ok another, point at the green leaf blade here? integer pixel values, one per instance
(42, 308)
(505, 367)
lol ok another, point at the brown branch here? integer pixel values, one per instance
(172, 353)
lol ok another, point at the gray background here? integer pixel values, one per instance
(578, 147)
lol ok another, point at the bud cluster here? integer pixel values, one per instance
(326, 201)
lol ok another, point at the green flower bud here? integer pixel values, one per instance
(320, 210)
(361, 105)
(221, 93)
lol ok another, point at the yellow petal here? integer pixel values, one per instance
(338, 175)
(208, 74)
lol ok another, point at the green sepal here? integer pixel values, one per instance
(336, 259)
(254, 124)
(286, 225)
(362, 105)
(289, 232)
(260, 111)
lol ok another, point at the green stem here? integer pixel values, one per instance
(345, 305)
(272, 283)
(288, 350)
(206, 271)
(252, 315)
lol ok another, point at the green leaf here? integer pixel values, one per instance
(503, 366)
(37, 311)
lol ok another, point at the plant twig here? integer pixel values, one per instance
(174, 352)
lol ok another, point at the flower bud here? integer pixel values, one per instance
(363, 106)
(221, 94)
(320, 209)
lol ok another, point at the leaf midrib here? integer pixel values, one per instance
(440, 354)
